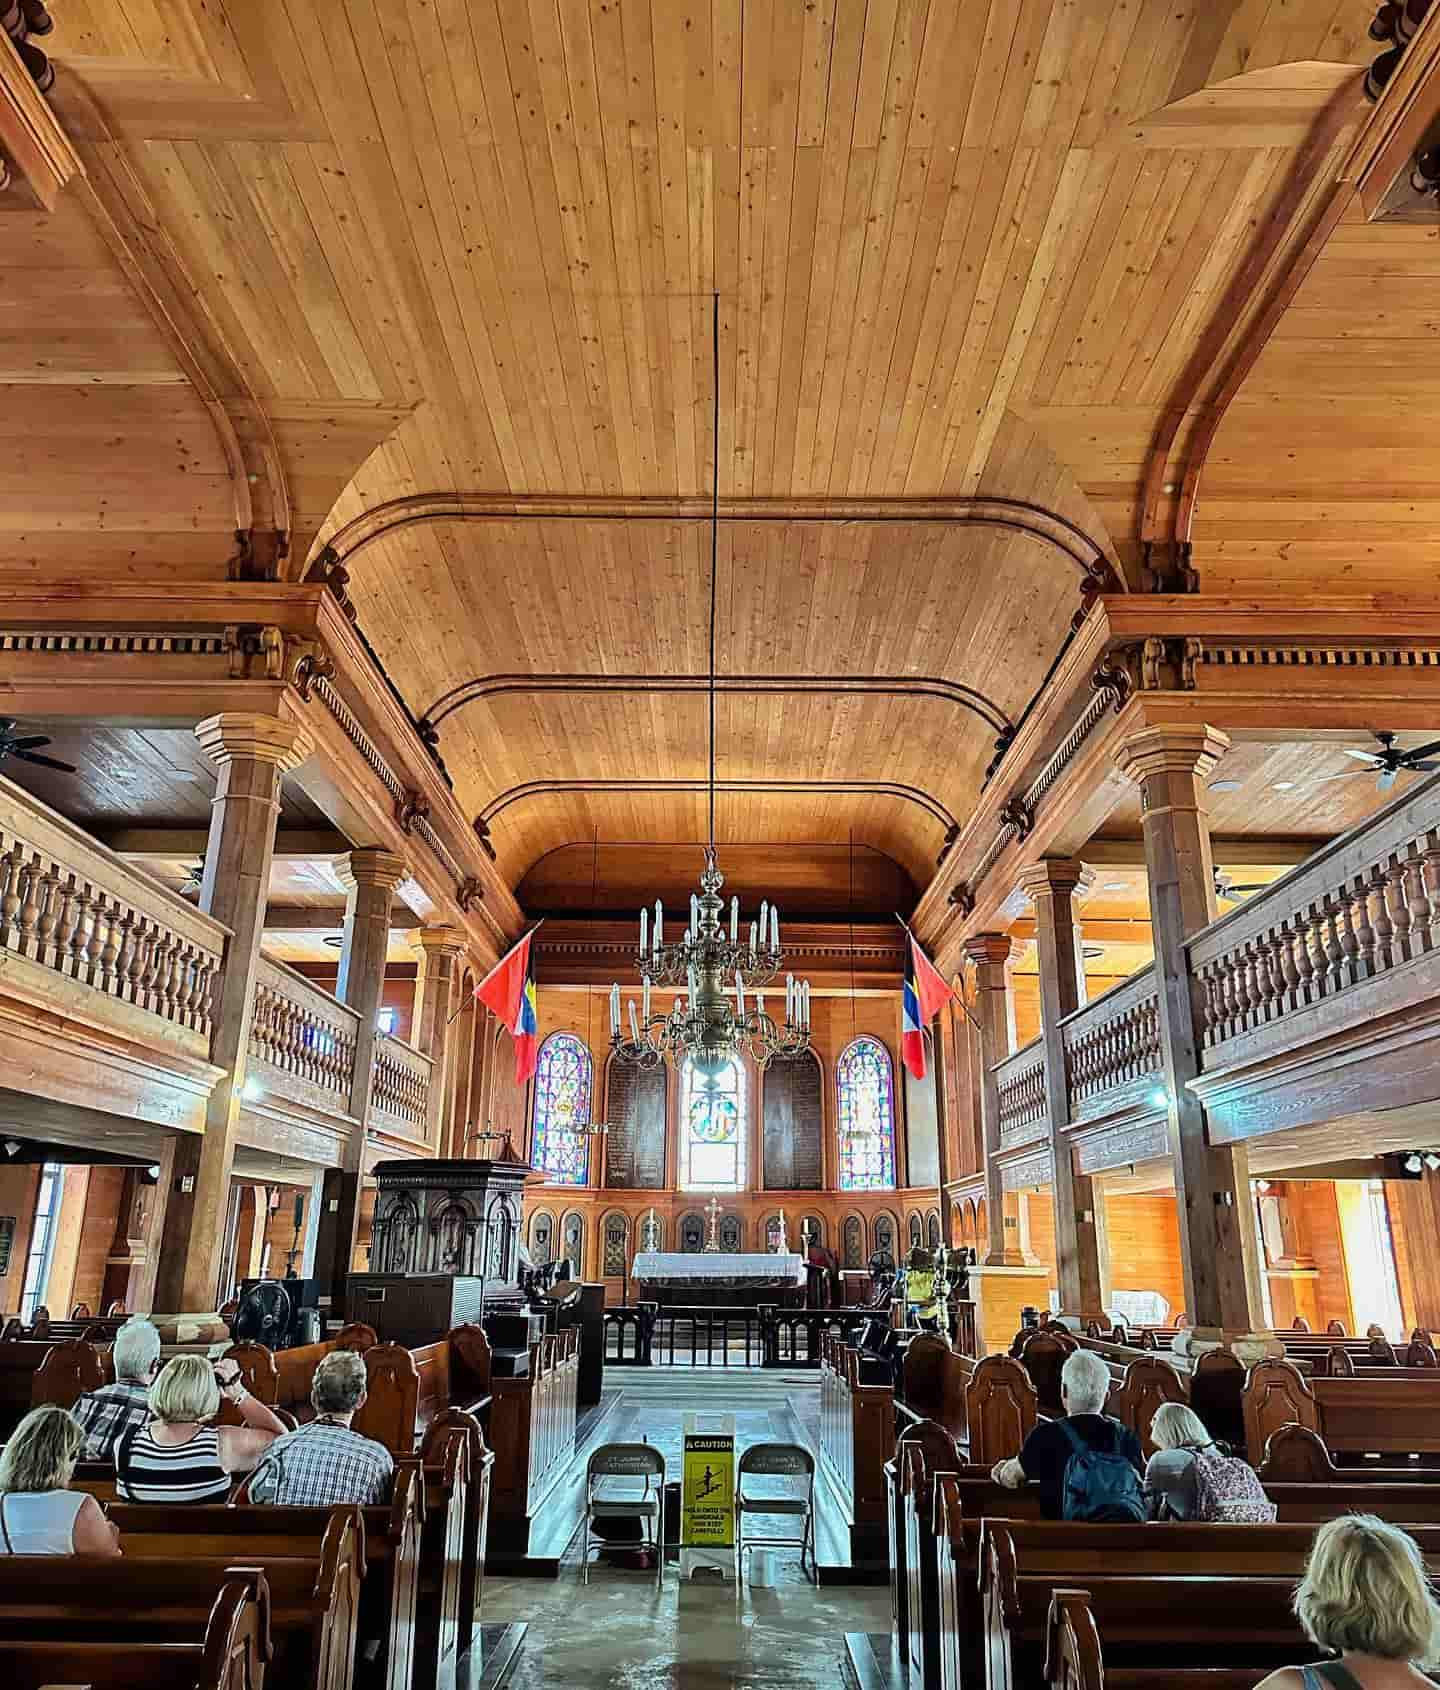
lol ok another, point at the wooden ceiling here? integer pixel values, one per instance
(963, 251)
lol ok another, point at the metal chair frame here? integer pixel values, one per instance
(774, 1460)
(611, 1461)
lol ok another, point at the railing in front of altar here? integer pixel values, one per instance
(648, 1335)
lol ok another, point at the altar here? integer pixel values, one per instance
(680, 1277)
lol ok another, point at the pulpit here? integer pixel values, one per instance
(444, 1249)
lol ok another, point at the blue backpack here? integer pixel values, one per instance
(1099, 1484)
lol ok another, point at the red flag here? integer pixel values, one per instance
(508, 992)
(925, 995)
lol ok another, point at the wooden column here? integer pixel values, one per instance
(990, 952)
(370, 878)
(1051, 886)
(252, 752)
(440, 951)
(1212, 1185)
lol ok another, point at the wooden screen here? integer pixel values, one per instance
(635, 1145)
(791, 1152)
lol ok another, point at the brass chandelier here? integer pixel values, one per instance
(721, 1013)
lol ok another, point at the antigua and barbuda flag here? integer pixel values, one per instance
(926, 994)
(508, 992)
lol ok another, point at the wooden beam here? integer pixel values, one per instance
(1225, 848)
(163, 844)
(305, 918)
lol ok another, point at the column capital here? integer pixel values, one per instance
(988, 947)
(237, 734)
(1055, 875)
(1171, 751)
(372, 867)
(439, 941)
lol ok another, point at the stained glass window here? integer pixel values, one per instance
(865, 1088)
(562, 1106)
(712, 1147)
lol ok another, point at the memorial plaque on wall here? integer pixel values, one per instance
(793, 1125)
(635, 1144)
(7, 1242)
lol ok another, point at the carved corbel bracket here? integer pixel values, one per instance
(951, 835)
(1151, 665)
(1004, 740)
(1015, 814)
(482, 833)
(962, 898)
(330, 571)
(1100, 577)
(430, 739)
(255, 652)
(1166, 567)
(468, 894)
(259, 553)
(410, 809)
(309, 663)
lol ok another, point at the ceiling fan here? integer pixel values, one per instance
(1233, 893)
(24, 747)
(1387, 763)
(194, 879)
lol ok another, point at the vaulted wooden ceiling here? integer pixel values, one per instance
(969, 251)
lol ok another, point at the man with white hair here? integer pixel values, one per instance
(107, 1414)
(327, 1461)
(1087, 1465)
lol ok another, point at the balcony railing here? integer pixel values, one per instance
(302, 1039)
(399, 1088)
(1020, 1082)
(80, 913)
(1112, 1047)
(1358, 910)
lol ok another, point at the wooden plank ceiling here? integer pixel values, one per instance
(963, 248)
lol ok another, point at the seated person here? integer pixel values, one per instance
(1186, 1454)
(178, 1455)
(39, 1513)
(1086, 1428)
(327, 1462)
(1364, 1596)
(112, 1410)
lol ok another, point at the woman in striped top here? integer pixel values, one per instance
(178, 1456)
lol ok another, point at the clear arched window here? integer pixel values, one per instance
(865, 1090)
(563, 1085)
(712, 1132)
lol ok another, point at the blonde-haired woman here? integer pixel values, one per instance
(1365, 1597)
(1177, 1432)
(39, 1513)
(178, 1455)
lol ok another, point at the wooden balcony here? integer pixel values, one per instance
(106, 981)
(1318, 999)
(1024, 1109)
(301, 1068)
(400, 1093)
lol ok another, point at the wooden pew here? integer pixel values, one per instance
(532, 1432)
(282, 1378)
(314, 1600)
(1299, 1454)
(1367, 1415)
(926, 1455)
(857, 1436)
(1075, 1660)
(244, 1530)
(444, 1623)
(1149, 1381)
(231, 1654)
(477, 1504)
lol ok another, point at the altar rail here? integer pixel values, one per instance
(400, 1088)
(1024, 1102)
(1112, 1047)
(1359, 909)
(73, 910)
(302, 1038)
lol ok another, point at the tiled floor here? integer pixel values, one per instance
(621, 1633)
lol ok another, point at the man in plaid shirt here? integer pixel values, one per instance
(106, 1414)
(326, 1462)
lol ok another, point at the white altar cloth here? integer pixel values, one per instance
(685, 1267)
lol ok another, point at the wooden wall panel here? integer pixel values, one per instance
(1040, 1220)
(1414, 1228)
(1320, 1229)
(636, 1109)
(1143, 1236)
(105, 1190)
(18, 1189)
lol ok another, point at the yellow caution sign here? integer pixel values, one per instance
(707, 1518)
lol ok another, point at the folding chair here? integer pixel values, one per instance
(608, 1469)
(783, 1461)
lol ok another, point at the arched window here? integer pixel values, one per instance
(865, 1088)
(562, 1106)
(712, 1132)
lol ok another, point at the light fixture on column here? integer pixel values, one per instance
(709, 962)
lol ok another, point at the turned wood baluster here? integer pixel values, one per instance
(107, 945)
(80, 932)
(1304, 961)
(1430, 875)
(1208, 985)
(1367, 935)
(149, 965)
(164, 987)
(204, 988)
(46, 914)
(1291, 942)
(10, 866)
(1385, 952)
(1352, 922)
(1417, 901)
(33, 896)
(1265, 981)
(64, 922)
(1397, 897)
